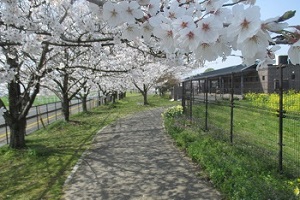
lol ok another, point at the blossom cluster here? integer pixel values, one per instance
(207, 29)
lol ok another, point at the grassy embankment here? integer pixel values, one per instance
(39, 171)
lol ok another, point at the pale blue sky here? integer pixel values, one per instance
(269, 9)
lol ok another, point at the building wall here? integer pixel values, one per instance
(291, 77)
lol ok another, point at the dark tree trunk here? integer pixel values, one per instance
(65, 105)
(99, 99)
(114, 97)
(17, 133)
(84, 103)
(20, 101)
(145, 95)
(65, 101)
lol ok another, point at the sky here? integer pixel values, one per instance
(269, 9)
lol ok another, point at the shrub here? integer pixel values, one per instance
(173, 112)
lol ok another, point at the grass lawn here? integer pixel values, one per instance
(39, 171)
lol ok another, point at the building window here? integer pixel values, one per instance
(263, 78)
(293, 76)
(257, 78)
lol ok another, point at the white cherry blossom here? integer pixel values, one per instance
(189, 39)
(206, 51)
(147, 30)
(209, 29)
(245, 22)
(130, 11)
(174, 11)
(294, 53)
(269, 57)
(153, 7)
(184, 22)
(251, 46)
(274, 26)
(131, 32)
(166, 34)
(213, 5)
(112, 14)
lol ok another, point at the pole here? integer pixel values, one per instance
(191, 100)
(183, 97)
(55, 111)
(206, 104)
(231, 108)
(6, 134)
(37, 117)
(282, 63)
(280, 115)
(47, 110)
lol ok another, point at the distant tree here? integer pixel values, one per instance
(166, 81)
(209, 69)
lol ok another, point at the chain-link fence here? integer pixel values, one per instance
(264, 123)
(43, 115)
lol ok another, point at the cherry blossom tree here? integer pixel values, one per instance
(32, 34)
(205, 30)
(30, 31)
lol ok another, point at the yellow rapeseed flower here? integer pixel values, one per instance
(296, 191)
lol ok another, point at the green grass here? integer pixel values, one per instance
(258, 130)
(39, 171)
(39, 100)
(246, 169)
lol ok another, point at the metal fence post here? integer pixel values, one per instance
(78, 105)
(47, 113)
(206, 103)
(6, 134)
(191, 99)
(282, 63)
(55, 111)
(183, 97)
(37, 118)
(231, 108)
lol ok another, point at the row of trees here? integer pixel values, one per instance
(56, 45)
(65, 45)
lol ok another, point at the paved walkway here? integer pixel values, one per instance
(134, 159)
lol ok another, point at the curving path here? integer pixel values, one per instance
(134, 159)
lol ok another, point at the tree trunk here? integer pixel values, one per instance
(145, 98)
(65, 105)
(17, 133)
(145, 95)
(84, 103)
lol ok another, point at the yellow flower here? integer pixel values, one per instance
(296, 191)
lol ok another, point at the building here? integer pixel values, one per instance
(244, 79)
